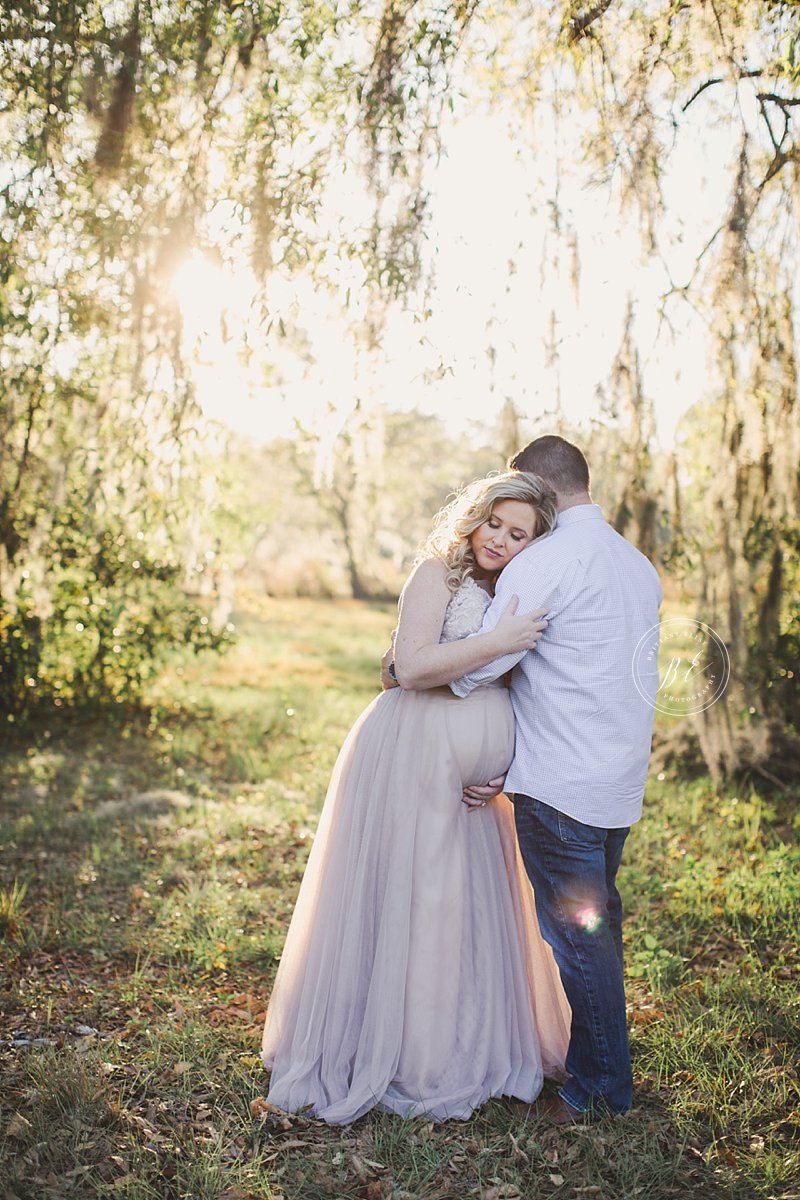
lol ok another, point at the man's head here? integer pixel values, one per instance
(560, 464)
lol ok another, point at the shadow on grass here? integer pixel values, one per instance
(95, 1124)
(162, 855)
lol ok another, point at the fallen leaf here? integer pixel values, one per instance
(259, 1106)
(360, 1167)
(644, 1016)
(261, 1109)
(18, 1126)
(519, 1153)
(557, 1180)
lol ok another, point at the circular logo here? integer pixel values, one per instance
(681, 666)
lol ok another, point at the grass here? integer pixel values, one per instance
(148, 875)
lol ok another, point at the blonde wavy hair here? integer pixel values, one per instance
(453, 525)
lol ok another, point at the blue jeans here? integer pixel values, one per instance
(573, 868)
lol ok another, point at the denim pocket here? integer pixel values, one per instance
(575, 833)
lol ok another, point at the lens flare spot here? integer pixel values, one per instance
(589, 919)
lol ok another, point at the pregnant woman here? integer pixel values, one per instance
(414, 976)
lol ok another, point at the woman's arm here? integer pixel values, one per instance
(422, 661)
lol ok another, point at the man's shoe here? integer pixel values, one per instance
(557, 1111)
(521, 1108)
(553, 1108)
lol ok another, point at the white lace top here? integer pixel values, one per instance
(464, 613)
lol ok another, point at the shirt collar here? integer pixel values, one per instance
(579, 512)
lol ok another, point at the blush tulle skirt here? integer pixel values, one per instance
(414, 976)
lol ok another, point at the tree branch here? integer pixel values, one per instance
(708, 83)
(776, 145)
(782, 157)
(579, 25)
(741, 74)
(783, 101)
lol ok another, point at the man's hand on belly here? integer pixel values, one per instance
(476, 796)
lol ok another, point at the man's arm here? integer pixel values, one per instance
(422, 661)
(528, 577)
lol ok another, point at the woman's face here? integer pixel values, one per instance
(510, 528)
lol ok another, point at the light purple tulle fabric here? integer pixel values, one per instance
(414, 975)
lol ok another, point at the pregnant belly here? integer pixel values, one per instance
(477, 732)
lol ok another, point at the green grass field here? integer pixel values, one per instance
(149, 869)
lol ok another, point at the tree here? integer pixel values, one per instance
(629, 83)
(377, 482)
(637, 510)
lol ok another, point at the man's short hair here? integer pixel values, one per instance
(555, 460)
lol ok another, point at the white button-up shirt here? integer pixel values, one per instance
(583, 726)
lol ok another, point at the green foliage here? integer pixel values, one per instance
(98, 588)
(11, 911)
(111, 624)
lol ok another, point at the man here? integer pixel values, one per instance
(583, 733)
